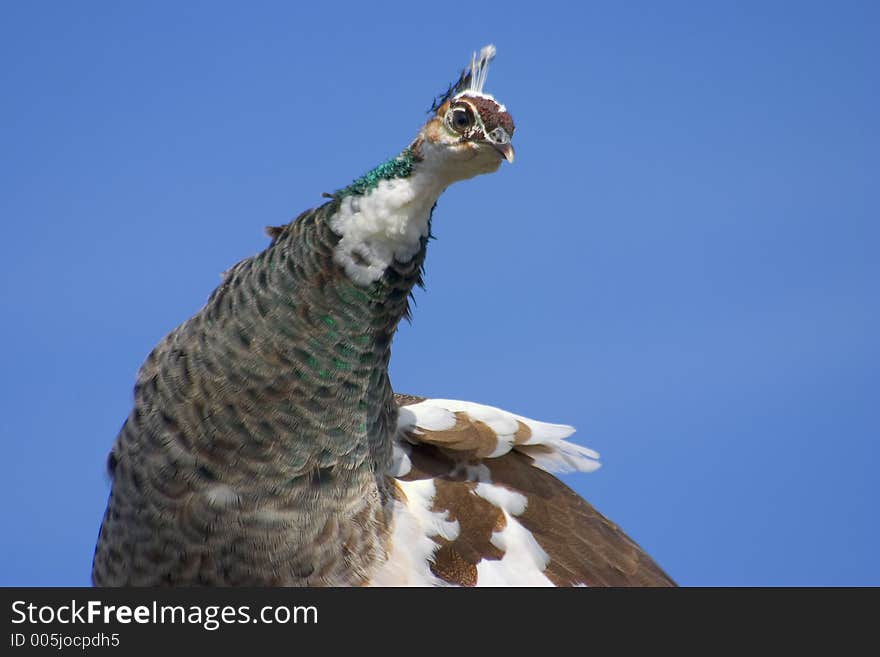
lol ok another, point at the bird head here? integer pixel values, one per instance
(469, 131)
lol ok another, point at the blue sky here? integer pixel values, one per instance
(682, 262)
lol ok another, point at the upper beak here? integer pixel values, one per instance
(506, 150)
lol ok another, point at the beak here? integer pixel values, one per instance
(506, 150)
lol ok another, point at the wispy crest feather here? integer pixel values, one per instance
(480, 69)
(472, 79)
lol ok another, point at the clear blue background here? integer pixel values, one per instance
(682, 262)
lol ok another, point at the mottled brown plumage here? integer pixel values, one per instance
(256, 449)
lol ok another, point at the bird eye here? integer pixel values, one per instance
(460, 119)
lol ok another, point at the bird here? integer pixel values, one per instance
(267, 447)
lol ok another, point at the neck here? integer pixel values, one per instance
(333, 288)
(384, 217)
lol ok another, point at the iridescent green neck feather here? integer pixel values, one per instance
(400, 166)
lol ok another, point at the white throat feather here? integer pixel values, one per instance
(390, 221)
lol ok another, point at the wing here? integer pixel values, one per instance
(478, 505)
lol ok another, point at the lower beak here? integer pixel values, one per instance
(506, 151)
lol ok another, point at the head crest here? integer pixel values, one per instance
(471, 80)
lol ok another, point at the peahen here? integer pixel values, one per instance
(266, 445)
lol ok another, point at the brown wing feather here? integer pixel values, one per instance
(583, 545)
